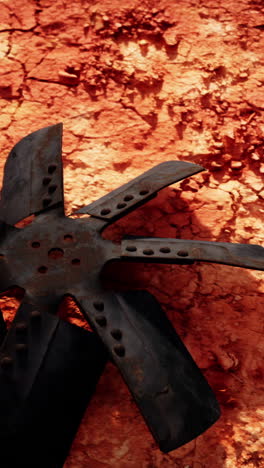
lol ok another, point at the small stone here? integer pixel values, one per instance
(99, 23)
(224, 105)
(216, 166)
(243, 76)
(69, 78)
(261, 194)
(218, 144)
(170, 37)
(143, 42)
(236, 165)
(227, 157)
(255, 157)
(227, 360)
(204, 13)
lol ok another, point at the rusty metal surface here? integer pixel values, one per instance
(141, 189)
(56, 255)
(33, 175)
(179, 250)
(48, 373)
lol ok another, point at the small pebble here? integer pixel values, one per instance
(218, 144)
(216, 166)
(143, 42)
(255, 157)
(236, 165)
(69, 77)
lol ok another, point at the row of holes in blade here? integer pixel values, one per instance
(122, 205)
(163, 250)
(21, 330)
(116, 333)
(46, 181)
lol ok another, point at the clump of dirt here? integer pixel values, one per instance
(135, 85)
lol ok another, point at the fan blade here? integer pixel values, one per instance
(2, 327)
(48, 373)
(6, 279)
(33, 178)
(163, 250)
(128, 197)
(170, 390)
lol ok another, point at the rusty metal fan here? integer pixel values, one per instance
(49, 368)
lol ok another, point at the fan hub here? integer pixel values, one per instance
(52, 256)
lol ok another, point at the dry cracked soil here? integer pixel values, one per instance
(136, 83)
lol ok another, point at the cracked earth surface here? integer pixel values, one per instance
(136, 84)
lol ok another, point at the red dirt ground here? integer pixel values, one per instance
(137, 83)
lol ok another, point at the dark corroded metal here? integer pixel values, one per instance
(56, 256)
(176, 250)
(43, 387)
(33, 175)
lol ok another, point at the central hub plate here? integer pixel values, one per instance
(52, 254)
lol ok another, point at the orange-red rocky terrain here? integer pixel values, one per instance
(137, 83)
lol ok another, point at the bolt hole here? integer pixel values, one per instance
(52, 168)
(75, 261)
(165, 250)
(46, 180)
(52, 189)
(46, 202)
(99, 306)
(6, 362)
(42, 269)
(148, 252)
(35, 245)
(128, 197)
(35, 315)
(120, 350)
(182, 253)
(143, 192)
(121, 205)
(105, 211)
(21, 348)
(55, 253)
(68, 238)
(21, 328)
(131, 248)
(116, 334)
(101, 320)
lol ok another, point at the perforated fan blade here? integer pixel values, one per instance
(33, 175)
(48, 373)
(170, 390)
